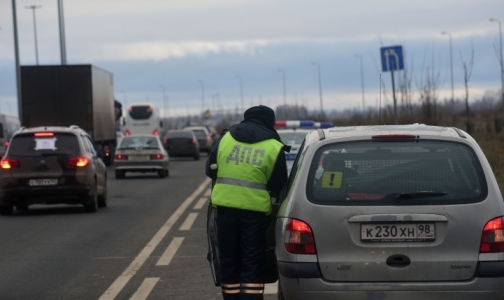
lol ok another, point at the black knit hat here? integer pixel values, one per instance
(262, 113)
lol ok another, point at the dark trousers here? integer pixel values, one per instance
(242, 244)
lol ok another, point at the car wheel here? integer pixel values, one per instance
(102, 199)
(119, 174)
(92, 204)
(167, 172)
(6, 210)
(22, 207)
(161, 173)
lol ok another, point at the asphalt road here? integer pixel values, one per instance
(149, 243)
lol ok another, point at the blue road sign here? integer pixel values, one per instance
(392, 58)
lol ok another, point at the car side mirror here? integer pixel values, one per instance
(161, 124)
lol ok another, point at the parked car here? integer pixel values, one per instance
(181, 143)
(8, 125)
(141, 153)
(214, 134)
(203, 136)
(404, 212)
(293, 138)
(52, 165)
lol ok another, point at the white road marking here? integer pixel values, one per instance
(200, 203)
(167, 256)
(145, 289)
(137, 263)
(208, 193)
(188, 221)
(271, 288)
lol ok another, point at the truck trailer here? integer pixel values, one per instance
(65, 95)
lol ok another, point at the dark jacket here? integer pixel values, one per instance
(254, 131)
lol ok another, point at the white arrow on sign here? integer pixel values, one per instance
(392, 52)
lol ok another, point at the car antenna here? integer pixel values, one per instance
(379, 106)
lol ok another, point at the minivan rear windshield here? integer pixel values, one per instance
(140, 112)
(397, 173)
(31, 145)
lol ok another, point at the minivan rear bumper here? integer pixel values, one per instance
(317, 288)
(77, 193)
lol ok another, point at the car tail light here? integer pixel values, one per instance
(44, 134)
(492, 240)
(9, 163)
(80, 162)
(211, 134)
(157, 156)
(127, 133)
(7, 143)
(299, 238)
(155, 132)
(194, 142)
(165, 142)
(208, 139)
(121, 157)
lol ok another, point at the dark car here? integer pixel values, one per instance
(202, 134)
(182, 143)
(52, 165)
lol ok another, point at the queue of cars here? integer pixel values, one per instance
(385, 212)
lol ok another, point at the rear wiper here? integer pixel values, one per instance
(415, 195)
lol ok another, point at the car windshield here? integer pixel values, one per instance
(400, 173)
(140, 112)
(139, 142)
(292, 138)
(56, 143)
(200, 134)
(179, 134)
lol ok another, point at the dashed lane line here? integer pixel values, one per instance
(145, 289)
(169, 253)
(188, 221)
(208, 193)
(201, 203)
(137, 263)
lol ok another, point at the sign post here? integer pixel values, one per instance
(392, 60)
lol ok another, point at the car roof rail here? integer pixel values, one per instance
(460, 133)
(321, 134)
(22, 128)
(74, 127)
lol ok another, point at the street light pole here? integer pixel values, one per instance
(501, 61)
(33, 8)
(164, 100)
(284, 89)
(241, 92)
(62, 32)
(451, 63)
(16, 55)
(362, 81)
(202, 98)
(320, 89)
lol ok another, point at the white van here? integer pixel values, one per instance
(8, 125)
(142, 118)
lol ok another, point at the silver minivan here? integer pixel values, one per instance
(390, 212)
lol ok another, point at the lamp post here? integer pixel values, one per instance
(284, 89)
(16, 56)
(241, 91)
(61, 19)
(500, 58)
(202, 98)
(33, 8)
(320, 88)
(164, 100)
(362, 81)
(451, 63)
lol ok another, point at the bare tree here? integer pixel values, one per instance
(428, 87)
(468, 66)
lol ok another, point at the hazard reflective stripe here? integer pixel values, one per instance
(252, 288)
(242, 183)
(233, 288)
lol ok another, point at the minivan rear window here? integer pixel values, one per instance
(200, 134)
(140, 112)
(397, 173)
(31, 145)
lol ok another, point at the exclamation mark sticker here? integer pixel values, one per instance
(332, 179)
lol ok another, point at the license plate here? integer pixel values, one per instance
(411, 232)
(139, 157)
(43, 182)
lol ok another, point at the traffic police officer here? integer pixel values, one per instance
(248, 166)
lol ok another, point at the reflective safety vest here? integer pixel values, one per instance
(243, 171)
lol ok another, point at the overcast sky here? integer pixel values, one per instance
(146, 44)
